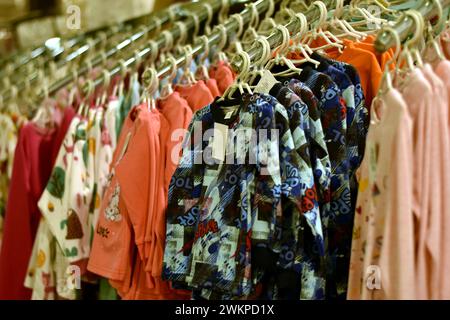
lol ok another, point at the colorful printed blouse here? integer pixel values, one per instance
(219, 213)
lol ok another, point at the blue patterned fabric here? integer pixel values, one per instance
(218, 212)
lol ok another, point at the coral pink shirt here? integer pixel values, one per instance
(383, 235)
(439, 212)
(223, 74)
(197, 95)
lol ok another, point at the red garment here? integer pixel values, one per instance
(33, 162)
(197, 95)
(223, 75)
(212, 86)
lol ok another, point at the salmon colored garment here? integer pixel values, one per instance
(418, 95)
(213, 88)
(223, 74)
(439, 184)
(383, 243)
(156, 232)
(111, 253)
(176, 115)
(156, 165)
(442, 69)
(197, 95)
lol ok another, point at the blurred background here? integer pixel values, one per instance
(25, 24)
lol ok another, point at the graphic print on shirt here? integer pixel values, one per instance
(112, 211)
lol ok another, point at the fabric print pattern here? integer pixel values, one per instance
(112, 212)
(241, 202)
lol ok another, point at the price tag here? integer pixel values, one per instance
(266, 83)
(219, 141)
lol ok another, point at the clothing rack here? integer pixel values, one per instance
(213, 38)
(405, 25)
(163, 17)
(276, 38)
(11, 67)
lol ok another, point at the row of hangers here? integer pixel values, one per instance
(316, 22)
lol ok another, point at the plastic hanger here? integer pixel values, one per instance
(297, 46)
(340, 24)
(259, 65)
(280, 58)
(433, 34)
(220, 55)
(410, 55)
(239, 83)
(318, 32)
(251, 34)
(202, 71)
(386, 79)
(168, 90)
(151, 81)
(187, 77)
(266, 26)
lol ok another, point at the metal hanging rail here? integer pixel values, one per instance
(231, 27)
(11, 67)
(406, 24)
(97, 60)
(163, 17)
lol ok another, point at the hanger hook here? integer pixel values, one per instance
(303, 22)
(168, 40)
(123, 68)
(240, 21)
(154, 51)
(339, 9)
(158, 24)
(224, 8)
(254, 18)
(265, 52)
(322, 12)
(223, 36)
(151, 81)
(210, 12)
(270, 10)
(285, 38)
(183, 32)
(245, 67)
(173, 67)
(187, 55)
(440, 24)
(205, 42)
(137, 57)
(419, 26)
(106, 77)
(196, 21)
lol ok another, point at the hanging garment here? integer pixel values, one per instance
(197, 95)
(308, 247)
(223, 74)
(338, 217)
(439, 181)
(417, 93)
(31, 171)
(213, 87)
(442, 69)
